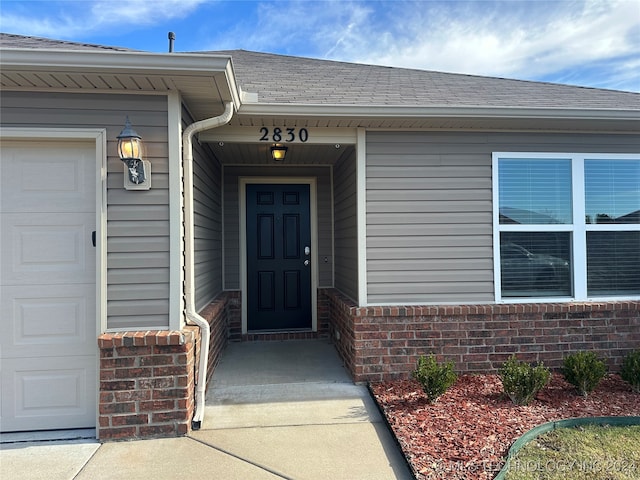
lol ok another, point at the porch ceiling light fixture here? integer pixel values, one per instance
(138, 171)
(278, 152)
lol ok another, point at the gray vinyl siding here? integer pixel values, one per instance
(325, 226)
(207, 206)
(138, 221)
(232, 217)
(345, 207)
(429, 209)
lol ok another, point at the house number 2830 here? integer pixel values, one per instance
(285, 134)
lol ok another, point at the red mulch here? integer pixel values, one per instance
(467, 432)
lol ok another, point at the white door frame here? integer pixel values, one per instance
(311, 181)
(99, 136)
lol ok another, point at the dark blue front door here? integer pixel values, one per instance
(278, 257)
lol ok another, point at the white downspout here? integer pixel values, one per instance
(189, 281)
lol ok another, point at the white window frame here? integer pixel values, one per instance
(578, 229)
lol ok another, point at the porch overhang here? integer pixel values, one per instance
(206, 82)
(445, 117)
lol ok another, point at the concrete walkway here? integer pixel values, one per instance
(276, 410)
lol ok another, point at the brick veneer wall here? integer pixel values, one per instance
(235, 323)
(146, 383)
(235, 316)
(221, 314)
(341, 325)
(379, 343)
(147, 379)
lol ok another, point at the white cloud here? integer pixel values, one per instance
(297, 27)
(71, 20)
(137, 12)
(516, 39)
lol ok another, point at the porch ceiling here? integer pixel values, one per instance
(260, 154)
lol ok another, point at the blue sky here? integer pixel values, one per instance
(581, 42)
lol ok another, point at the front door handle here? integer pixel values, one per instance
(306, 263)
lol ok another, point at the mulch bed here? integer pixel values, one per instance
(467, 432)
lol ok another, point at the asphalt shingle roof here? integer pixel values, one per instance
(282, 79)
(286, 79)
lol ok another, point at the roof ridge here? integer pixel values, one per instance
(38, 40)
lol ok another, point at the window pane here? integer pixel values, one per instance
(613, 263)
(535, 264)
(612, 191)
(535, 191)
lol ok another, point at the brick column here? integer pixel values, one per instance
(146, 384)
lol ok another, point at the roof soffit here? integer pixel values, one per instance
(205, 82)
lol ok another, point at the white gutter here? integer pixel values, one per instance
(438, 111)
(189, 281)
(113, 61)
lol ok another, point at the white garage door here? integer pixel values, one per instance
(48, 348)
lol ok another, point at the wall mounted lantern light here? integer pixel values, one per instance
(278, 152)
(138, 171)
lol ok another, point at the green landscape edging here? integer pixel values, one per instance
(567, 423)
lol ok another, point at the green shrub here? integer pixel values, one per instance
(584, 370)
(522, 381)
(434, 378)
(630, 371)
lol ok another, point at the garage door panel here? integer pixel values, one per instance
(56, 324)
(48, 248)
(67, 385)
(48, 177)
(48, 347)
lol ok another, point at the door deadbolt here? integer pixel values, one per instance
(307, 251)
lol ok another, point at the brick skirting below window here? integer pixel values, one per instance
(380, 343)
(147, 379)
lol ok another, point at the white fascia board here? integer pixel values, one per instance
(448, 111)
(232, 84)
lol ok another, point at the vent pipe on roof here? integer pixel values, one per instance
(172, 37)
